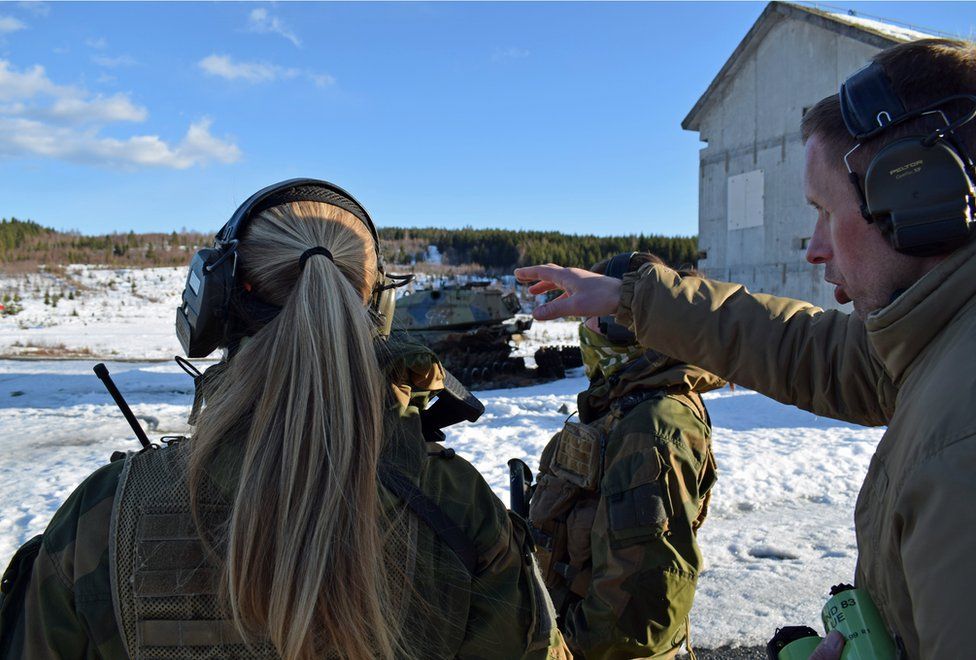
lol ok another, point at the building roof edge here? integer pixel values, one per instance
(774, 13)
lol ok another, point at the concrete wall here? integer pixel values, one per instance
(754, 124)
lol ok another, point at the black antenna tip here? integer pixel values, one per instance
(100, 370)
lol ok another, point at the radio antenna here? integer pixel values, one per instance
(102, 372)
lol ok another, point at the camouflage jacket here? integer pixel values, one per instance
(617, 546)
(69, 610)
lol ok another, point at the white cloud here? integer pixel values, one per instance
(35, 7)
(201, 146)
(41, 118)
(321, 79)
(96, 43)
(226, 67)
(99, 109)
(510, 53)
(10, 24)
(27, 84)
(114, 62)
(64, 103)
(261, 22)
(25, 137)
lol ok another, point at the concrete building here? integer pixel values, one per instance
(753, 220)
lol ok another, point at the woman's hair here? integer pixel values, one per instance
(301, 402)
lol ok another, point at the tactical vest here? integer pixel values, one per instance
(564, 503)
(164, 577)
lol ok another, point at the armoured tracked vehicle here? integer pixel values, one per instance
(473, 330)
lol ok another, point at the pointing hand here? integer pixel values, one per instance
(584, 293)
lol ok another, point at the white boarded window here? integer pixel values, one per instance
(746, 200)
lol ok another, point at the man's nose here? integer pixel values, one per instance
(818, 249)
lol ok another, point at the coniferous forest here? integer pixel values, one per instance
(26, 245)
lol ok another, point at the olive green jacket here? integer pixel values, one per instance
(910, 365)
(631, 549)
(69, 605)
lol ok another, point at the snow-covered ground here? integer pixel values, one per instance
(115, 313)
(779, 534)
(127, 314)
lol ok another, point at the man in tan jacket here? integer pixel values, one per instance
(906, 358)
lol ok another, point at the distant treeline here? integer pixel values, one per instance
(500, 250)
(24, 245)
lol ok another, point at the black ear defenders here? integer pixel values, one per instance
(203, 318)
(918, 189)
(619, 334)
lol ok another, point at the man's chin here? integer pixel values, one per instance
(863, 307)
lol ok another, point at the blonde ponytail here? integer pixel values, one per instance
(304, 544)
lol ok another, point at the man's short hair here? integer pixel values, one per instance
(921, 73)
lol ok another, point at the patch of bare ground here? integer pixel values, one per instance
(40, 350)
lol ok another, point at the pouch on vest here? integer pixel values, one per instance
(563, 507)
(577, 456)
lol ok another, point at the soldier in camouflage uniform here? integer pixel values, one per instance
(69, 608)
(620, 496)
(125, 570)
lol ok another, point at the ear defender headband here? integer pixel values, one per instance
(615, 332)
(918, 189)
(203, 319)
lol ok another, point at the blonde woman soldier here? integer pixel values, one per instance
(307, 517)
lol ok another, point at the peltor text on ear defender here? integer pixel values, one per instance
(918, 189)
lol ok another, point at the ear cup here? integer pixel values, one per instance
(200, 321)
(920, 196)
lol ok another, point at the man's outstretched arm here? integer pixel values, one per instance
(789, 350)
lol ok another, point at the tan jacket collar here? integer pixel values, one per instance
(673, 376)
(902, 330)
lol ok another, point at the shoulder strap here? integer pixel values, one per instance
(691, 400)
(624, 404)
(427, 510)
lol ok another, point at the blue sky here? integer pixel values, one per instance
(566, 116)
